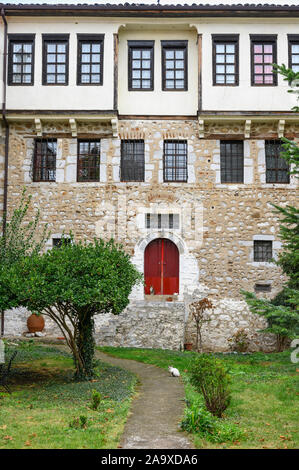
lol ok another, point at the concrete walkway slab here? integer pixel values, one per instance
(156, 412)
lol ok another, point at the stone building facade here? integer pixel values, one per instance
(217, 223)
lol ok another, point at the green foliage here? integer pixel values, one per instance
(20, 239)
(96, 398)
(239, 341)
(71, 285)
(282, 313)
(282, 321)
(210, 377)
(288, 259)
(291, 77)
(200, 421)
(79, 423)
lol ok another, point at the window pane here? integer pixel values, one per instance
(132, 160)
(231, 161)
(174, 75)
(44, 165)
(175, 160)
(19, 62)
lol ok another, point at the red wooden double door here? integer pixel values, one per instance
(161, 267)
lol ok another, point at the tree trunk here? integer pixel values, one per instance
(85, 347)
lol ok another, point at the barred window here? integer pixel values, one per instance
(162, 221)
(88, 167)
(225, 60)
(21, 60)
(90, 59)
(175, 160)
(132, 160)
(262, 250)
(141, 65)
(174, 65)
(232, 161)
(55, 59)
(263, 56)
(57, 242)
(277, 168)
(259, 287)
(44, 162)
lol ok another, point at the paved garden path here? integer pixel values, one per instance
(156, 412)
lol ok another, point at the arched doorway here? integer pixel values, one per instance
(161, 267)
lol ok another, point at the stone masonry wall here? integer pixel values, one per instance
(218, 222)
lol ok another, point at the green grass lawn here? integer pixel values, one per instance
(265, 392)
(45, 406)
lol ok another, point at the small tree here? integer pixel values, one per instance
(20, 239)
(282, 321)
(210, 377)
(200, 316)
(71, 285)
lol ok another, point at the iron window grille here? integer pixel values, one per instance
(132, 160)
(174, 65)
(88, 165)
(262, 251)
(294, 52)
(21, 59)
(90, 59)
(175, 161)
(232, 161)
(263, 56)
(55, 59)
(141, 65)
(225, 60)
(277, 169)
(44, 161)
(162, 221)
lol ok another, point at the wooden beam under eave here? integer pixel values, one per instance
(38, 127)
(280, 128)
(201, 128)
(247, 128)
(73, 126)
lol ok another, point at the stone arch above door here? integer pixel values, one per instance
(189, 271)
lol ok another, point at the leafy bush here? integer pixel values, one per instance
(96, 398)
(210, 377)
(79, 423)
(239, 341)
(199, 420)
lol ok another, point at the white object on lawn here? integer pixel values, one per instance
(174, 372)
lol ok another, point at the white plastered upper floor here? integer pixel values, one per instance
(157, 102)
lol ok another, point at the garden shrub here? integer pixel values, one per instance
(96, 398)
(210, 377)
(239, 341)
(199, 420)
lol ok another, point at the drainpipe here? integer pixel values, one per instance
(6, 139)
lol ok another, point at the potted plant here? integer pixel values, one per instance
(35, 322)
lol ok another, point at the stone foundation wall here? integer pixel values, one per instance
(227, 318)
(141, 324)
(164, 325)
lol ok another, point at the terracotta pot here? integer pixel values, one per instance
(35, 323)
(188, 346)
